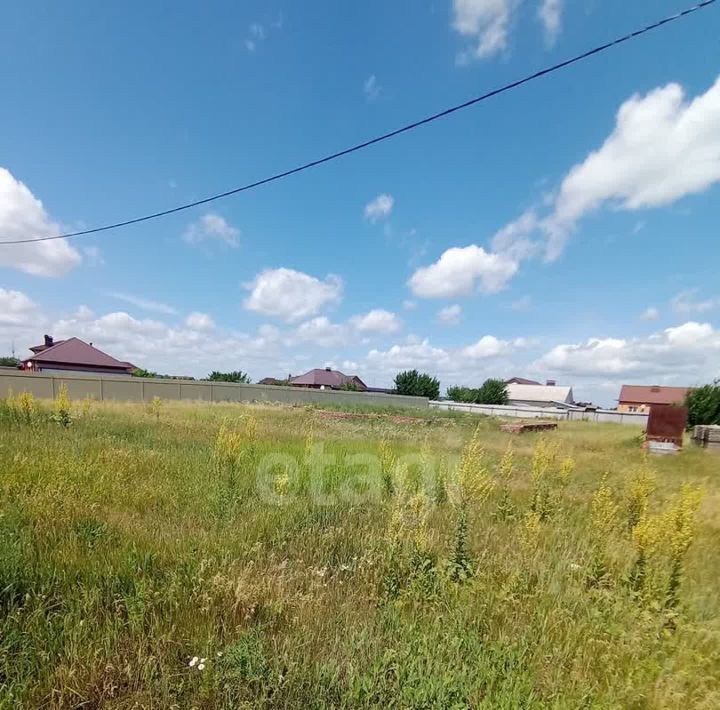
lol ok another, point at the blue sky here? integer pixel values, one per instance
(567, 229)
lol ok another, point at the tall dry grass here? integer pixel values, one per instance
(227, 556)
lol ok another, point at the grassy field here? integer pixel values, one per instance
(227, 556)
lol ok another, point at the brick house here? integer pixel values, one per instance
(74, 355)
(639, 398)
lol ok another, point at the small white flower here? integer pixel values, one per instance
(201, 667)
(193, 661)
(202, 660)
(219, 654)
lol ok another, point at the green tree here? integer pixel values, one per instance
(703, 404)
(462, 394)
(9, 361)
(142, 372)
(416, 384)
(493, 391)
(238, 376)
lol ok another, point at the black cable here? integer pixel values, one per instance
(377, 139)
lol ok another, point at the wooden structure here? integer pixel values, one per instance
(522, 427)
(707, 436)
(667, 425)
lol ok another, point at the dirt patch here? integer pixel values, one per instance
(395, 418)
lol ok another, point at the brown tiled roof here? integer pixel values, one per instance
(74, 351)
(652, 394)
(327, 378)
(521, 381)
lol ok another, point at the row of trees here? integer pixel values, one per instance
(214, 376)
(420, 384)
(492, 391)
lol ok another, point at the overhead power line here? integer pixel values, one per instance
(377, 139)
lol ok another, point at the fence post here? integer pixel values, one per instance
(52, 379)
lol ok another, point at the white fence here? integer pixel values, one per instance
(525, 412)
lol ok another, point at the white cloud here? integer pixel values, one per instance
(22, 216)
(291, 295)
(524, 342)
(488, 346)
(471, 364)
(84, 313)
(371, 88)
(450, 315)
(93, 256)
(257, 34)
(650, 313)
(376, 321)
(175, 349)
(413, 354)
(663, 147)
(257, 30)
(686, 354)
(550, 14)
(16, 308)
(409, 305)
(200, 321)
(379, 208)
(685, 303)
(460, 271)
(211, 227)
(320, 331)
(521, 304)
(514, 241)
(486, 22)
(145, 303)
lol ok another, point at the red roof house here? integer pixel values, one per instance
(74, 355)
(327, 378)
(639, 398)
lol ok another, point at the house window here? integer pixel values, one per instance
(632, 409)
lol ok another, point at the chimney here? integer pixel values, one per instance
(328, 369)
(550, 383)
(48, 340)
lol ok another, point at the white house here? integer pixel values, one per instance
(539, 395)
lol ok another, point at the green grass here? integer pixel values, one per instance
(131, 542)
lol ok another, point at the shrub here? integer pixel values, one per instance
(703, 404)
(492, 391)
(416, 384)
(62, 407)
(142, 372)
(237, 376)
(462, 394)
